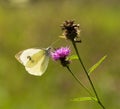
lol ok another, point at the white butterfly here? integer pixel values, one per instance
(35, 60)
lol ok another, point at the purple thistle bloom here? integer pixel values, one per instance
(60, 53)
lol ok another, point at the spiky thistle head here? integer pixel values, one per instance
(61, 54)
(71, 30)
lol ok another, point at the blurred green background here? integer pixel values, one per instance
(36, 23)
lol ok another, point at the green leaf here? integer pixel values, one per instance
(85, 99)
(73, 57)
(96, 65)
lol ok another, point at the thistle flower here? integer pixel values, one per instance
(61, 54)
(70, 31)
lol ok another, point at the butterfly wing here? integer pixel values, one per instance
(34, 60)
(22, 56)
(40, 67)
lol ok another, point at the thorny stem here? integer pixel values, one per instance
(91, 83)
(78, 81)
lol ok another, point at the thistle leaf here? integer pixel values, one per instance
(73, 57)
(85, 99)
(62, 37)
(96, 65)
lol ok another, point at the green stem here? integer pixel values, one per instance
(78, 80)
(91, 83)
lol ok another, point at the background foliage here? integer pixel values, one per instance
(36, 23)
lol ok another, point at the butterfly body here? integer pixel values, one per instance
(35, 60)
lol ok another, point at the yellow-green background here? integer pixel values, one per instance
(36, 23)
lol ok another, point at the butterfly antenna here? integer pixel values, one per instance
(55, 42)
